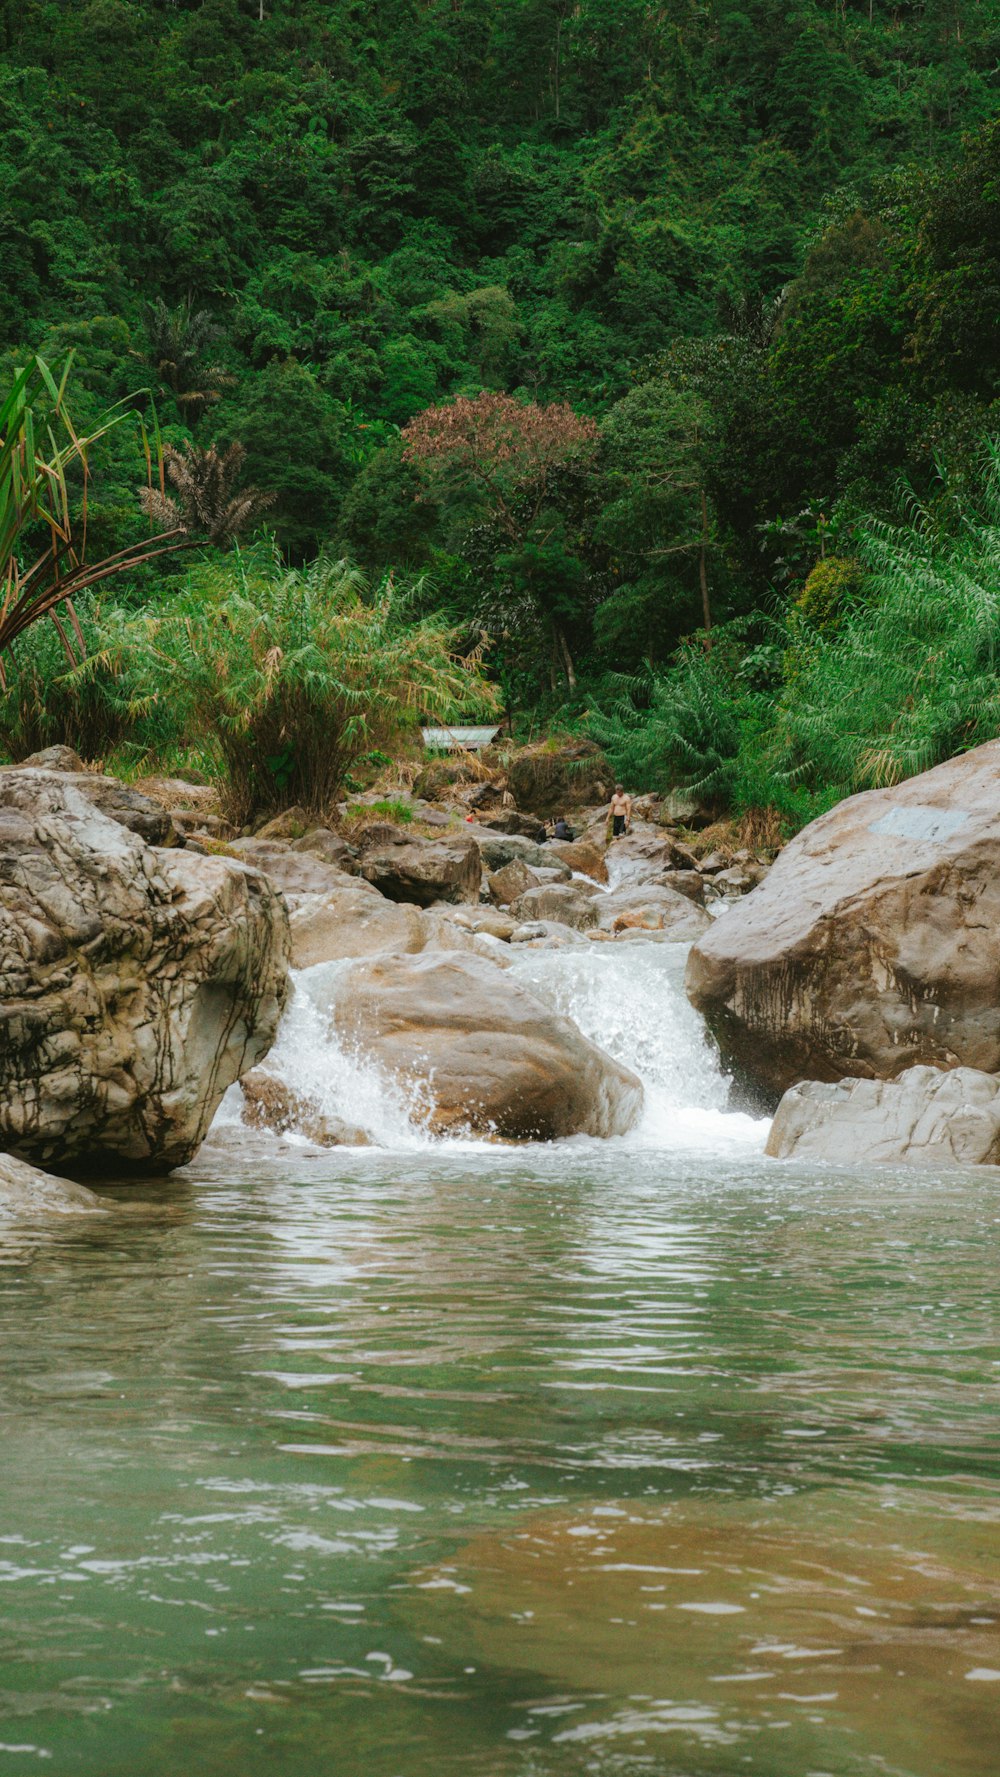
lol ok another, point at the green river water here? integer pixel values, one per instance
(639, 1457)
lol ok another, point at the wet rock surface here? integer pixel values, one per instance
(652, 906)
(482, 1052)
(873, 944)
(269, 1103)
(26, 1192)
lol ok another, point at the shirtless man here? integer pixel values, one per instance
(620, 812)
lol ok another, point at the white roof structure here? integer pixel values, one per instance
(459, 740)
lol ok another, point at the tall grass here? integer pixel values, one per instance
(905, 677)
(295, 674)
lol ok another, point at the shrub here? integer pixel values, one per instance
(830, 591)
(108, 701)
(296, 674)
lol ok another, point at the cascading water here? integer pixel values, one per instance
(627, 997)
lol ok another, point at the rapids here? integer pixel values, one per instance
(639, 1458)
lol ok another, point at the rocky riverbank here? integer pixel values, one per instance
(862, 979)
(145, 955)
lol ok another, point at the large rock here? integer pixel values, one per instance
(293, 872)
(26, 1192)
(924, 1117)
(422, 871)
(581, 855)
(874, 942)
(136, 984)
(498, 849)
(327, 846)
(643, 855)
(570, 903)
(481, 1051)
(444, 932)
(509, 820)
(129, 808)
(351, 918)
(652, 907)
(513, 880)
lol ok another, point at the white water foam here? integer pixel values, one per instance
(626, 997)
(629, 999)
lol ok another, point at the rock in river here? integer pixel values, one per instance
(25, 1192)
(422, 872)
(482, 1052)
(136, 983)
(874, 942)
(925, 1118)
(351, 918)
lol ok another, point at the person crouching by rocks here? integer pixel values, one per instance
(620, 812)
(562, 830)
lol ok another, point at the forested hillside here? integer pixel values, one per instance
(738, 265)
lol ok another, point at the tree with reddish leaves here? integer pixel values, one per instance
(491, 457)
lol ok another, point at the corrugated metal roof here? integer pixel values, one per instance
(459, 740)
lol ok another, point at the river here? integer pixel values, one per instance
(642, 1458)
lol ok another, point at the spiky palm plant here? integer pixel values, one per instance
(179, 345)
(208, 498)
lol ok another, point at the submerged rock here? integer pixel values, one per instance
(872, 944)
(268, 1103)
(481, 1051)
(924, 1117)
(27, 1192)
(136, 984)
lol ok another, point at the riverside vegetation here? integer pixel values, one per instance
(655, 345)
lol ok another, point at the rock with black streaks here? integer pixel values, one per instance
(136, 983)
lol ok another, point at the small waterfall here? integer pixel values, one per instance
(310, 1058)
(626, 997)
(629, 999)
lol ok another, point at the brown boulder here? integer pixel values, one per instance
(269, 1104)
(351, 918)
(321, 843)
(424, 871)
(293, 872)
(874, 942)
(569, 903)
(581, 855)
(652, 907)
(481, 1051)
(513, 880)
(643, 854)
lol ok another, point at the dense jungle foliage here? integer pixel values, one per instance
(623, 332)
